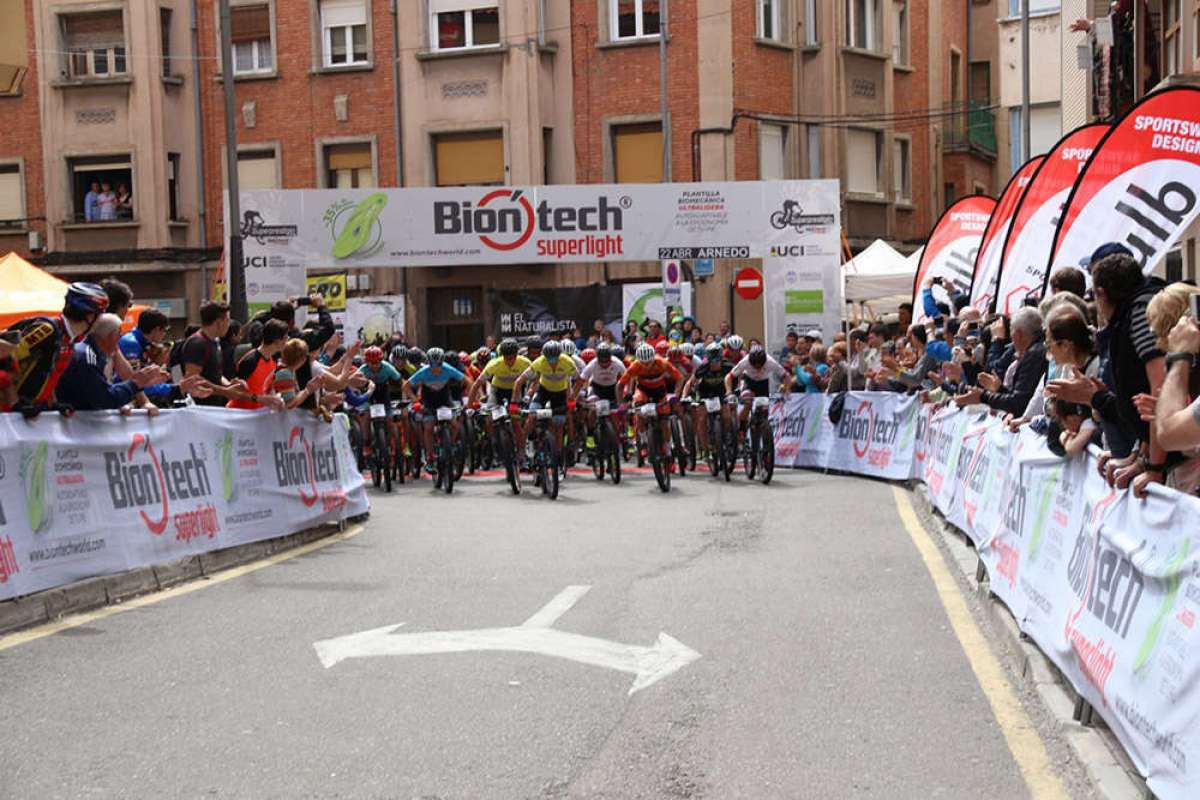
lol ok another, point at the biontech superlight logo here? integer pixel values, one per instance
(506, 220)
(143, 479)
(298, 464)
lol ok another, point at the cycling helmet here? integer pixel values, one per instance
(483, 355)
(552, 350)
(644, 353)
(509, 347)
(688, 349)
(675, 335)
(453, 361)
(588, 355)
(758, 357)
(399, 353)
(675, 353)
(436, 356)
(416, 355)
(603, 352)
(618, 352)
(533, 343)
(87, 298)
(713, 350)
(568, 347)
(734, 342)
(677, 320)
(661, 348)
(374, 355)
(464, 357)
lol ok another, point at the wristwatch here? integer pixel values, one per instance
(1187, 358)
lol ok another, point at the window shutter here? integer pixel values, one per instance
(250, 23)
(466, 159)
(340, 13)
(862, 170)
(637, 153)
(348, 156)
(256, 171)
(11, 206)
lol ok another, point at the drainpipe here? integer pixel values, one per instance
(397, 125)
(201, 207)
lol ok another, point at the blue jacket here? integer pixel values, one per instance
(83, 385)
(133, 346)
(930, 305)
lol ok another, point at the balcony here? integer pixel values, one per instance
(970, 128)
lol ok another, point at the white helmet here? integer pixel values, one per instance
(644, 353)
(568, 347)
(688, 349)
(735, 342)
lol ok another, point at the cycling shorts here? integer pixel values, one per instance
(757, 388)
(650, 394)
(498, 396)
(548, 399)
(605, 392)
(707, 390)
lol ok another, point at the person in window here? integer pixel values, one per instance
(124, 202)
(91, 211)
(106, 204)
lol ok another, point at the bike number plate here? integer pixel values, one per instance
(712, 404)
(602, 408)
(445, 414)
(499, 413)
(649, 410)
(761, 403)
(378, 411)
(545, 413)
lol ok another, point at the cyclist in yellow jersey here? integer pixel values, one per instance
(500, 375)
(557, 380)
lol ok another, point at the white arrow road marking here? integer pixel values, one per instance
(648, 664)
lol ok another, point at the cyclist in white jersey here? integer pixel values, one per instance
(755, 372)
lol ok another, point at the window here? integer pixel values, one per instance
(349, 166)
(864, 151)
(633, 19)
(1035, 6)
(901, 170)
(474, 158)
(100, 188)
(257, 170)
(981, 83)
(343, 32)
(164, 28)
(862, 24)
(955, 77)
(638, 153)
(250, 30)
(1045, 131)
(900, 45)
(13, 55)
(1172, 36)
(173, 187)
(811, 39)
(94, 44)
(814, 151)
(12, 197)
(768, 19)
(457, 24)
(772, 152)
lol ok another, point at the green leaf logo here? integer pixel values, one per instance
(1168, 605)
(360, 234)
(225, 456)
(33, 473)
(1043, 508)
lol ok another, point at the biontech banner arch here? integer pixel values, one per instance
(987, 262)
(1023, 263)
(953, 246)
(1139, 188)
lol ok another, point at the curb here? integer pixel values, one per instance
(50, 605)
(1094, 746)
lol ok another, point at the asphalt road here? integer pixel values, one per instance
(827, 665)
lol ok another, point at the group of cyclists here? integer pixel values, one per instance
(543, 406)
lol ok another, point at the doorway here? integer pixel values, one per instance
(456, 317)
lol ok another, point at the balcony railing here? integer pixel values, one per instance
(971, 127)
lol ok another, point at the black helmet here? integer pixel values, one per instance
(509, 347)
(453, 361)
(618, 352)
(714, 350)
(416, 355)
(533, 343)
(604, 351)
(758, 357)
(399, 353)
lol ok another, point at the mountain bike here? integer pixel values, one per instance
(444, 449)
(545, 462)
(381, 444)
(716, 450)
(759, 458)
(651, 440)
(505, 445)
(607, 454)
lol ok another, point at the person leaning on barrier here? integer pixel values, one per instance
(1030, 352)
(84, 385)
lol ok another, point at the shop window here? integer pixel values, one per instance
(633, 19)
(12, 196)
(344, 32)
(250, 30)
(864, 162)
(94, 44)
(638, 153)
(349, 166)
(101, 188)
(257, 169)
(474, 158)
(460, 24)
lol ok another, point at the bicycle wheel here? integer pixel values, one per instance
(554, 475)
(750, 460)
(678, 448)
(729, 451)
(508, 456)
(766, 454)
(613, 449)
(446, 448)
(600, 450)
(379, 469)
(657, 460)
(689, 439)
(716, 449)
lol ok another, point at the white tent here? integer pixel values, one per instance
(878, 272)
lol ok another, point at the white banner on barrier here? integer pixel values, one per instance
(99, 493)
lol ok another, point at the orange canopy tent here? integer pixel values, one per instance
(27, 291)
